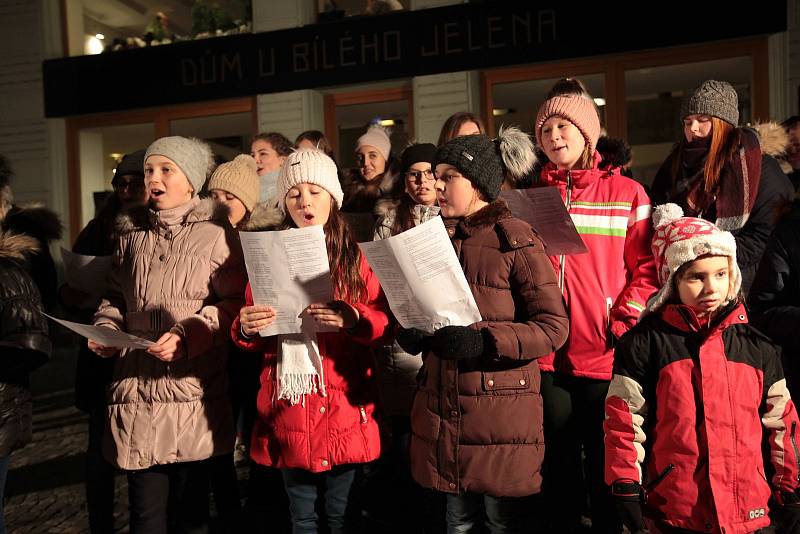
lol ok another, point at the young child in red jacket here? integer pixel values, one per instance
(693, 384)
(322, 431)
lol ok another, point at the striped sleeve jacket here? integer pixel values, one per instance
(684, 417)
(607, 288)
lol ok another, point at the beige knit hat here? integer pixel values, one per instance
(578, 110)
(239, 178)
(309, 166)
(378, 137)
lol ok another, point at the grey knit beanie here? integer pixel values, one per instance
(714, 98)
(485, 162)
(191, 155)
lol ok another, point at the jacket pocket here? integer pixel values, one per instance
(658, 479)
(511, 382)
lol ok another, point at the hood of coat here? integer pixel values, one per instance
(386, 207)
(263, 218)
(143, 218)
(17, 246)
(772, 137)
(354, 185)
(34, 220)
(485, 217)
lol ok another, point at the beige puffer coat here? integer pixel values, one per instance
(178, 270)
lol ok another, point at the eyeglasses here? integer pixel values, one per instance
(421, 176)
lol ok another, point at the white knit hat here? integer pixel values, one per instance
(309, 166)
(193, 156)
(678, 240)
(378, 137)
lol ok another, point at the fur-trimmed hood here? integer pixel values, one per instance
(17, 246)
(386, 207)
(34, 220)
(143, 218)
(263, 218)
(772, 137)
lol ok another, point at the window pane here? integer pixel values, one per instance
(229, 135)
(100, 151)
(654, 97)
(352, 121)
(517, 103)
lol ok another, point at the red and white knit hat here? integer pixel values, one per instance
(678, 240)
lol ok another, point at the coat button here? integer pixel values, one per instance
(162, 257)
(452, 486)
(490, 383)
(324, 463)
(522, 382)
(168, 235)
(454, 413)
(741, 317)
(514, 242)
(322, 409)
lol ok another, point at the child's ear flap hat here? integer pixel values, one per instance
(678, 240)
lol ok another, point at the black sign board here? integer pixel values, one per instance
(397, 45)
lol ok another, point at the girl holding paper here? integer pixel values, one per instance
(476, 420)
(605, 290)
(179, 281)
(316, 404)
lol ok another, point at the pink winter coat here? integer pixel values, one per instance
(178, 270)
(340, 428)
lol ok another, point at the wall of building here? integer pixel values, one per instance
(30, 32)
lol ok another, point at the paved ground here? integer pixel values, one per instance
(44, 492)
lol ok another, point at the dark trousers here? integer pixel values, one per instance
(301, 487)
(225, 487)
(99, 477)
(169, 498)
(391, 501)
(472, 513)
(574, 411)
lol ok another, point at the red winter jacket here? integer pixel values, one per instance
(340, 428)
(696, 397)
(606, 288)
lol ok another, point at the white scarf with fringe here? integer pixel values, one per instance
(299, 367)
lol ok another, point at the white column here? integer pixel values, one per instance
(779, 83)
(293, 112)
(793, 60)
(438, 96)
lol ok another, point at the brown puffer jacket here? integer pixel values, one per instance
(477, 424)
(178, 270)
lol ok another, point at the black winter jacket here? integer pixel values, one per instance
(24, 343)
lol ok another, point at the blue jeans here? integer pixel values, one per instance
(301, 487)
(467, 512)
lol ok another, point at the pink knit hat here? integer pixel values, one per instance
(678, 240)
(578, 110)
(376, 136)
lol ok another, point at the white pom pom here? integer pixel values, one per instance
(665, 214)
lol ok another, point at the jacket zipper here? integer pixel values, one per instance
(363, 412)
(794, 446)
(562, 258)
(661, 476)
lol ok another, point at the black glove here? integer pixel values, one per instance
(787, 513)
(627, 498)
(413, 340)
(457, 343)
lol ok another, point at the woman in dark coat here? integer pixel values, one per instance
(720, 172)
